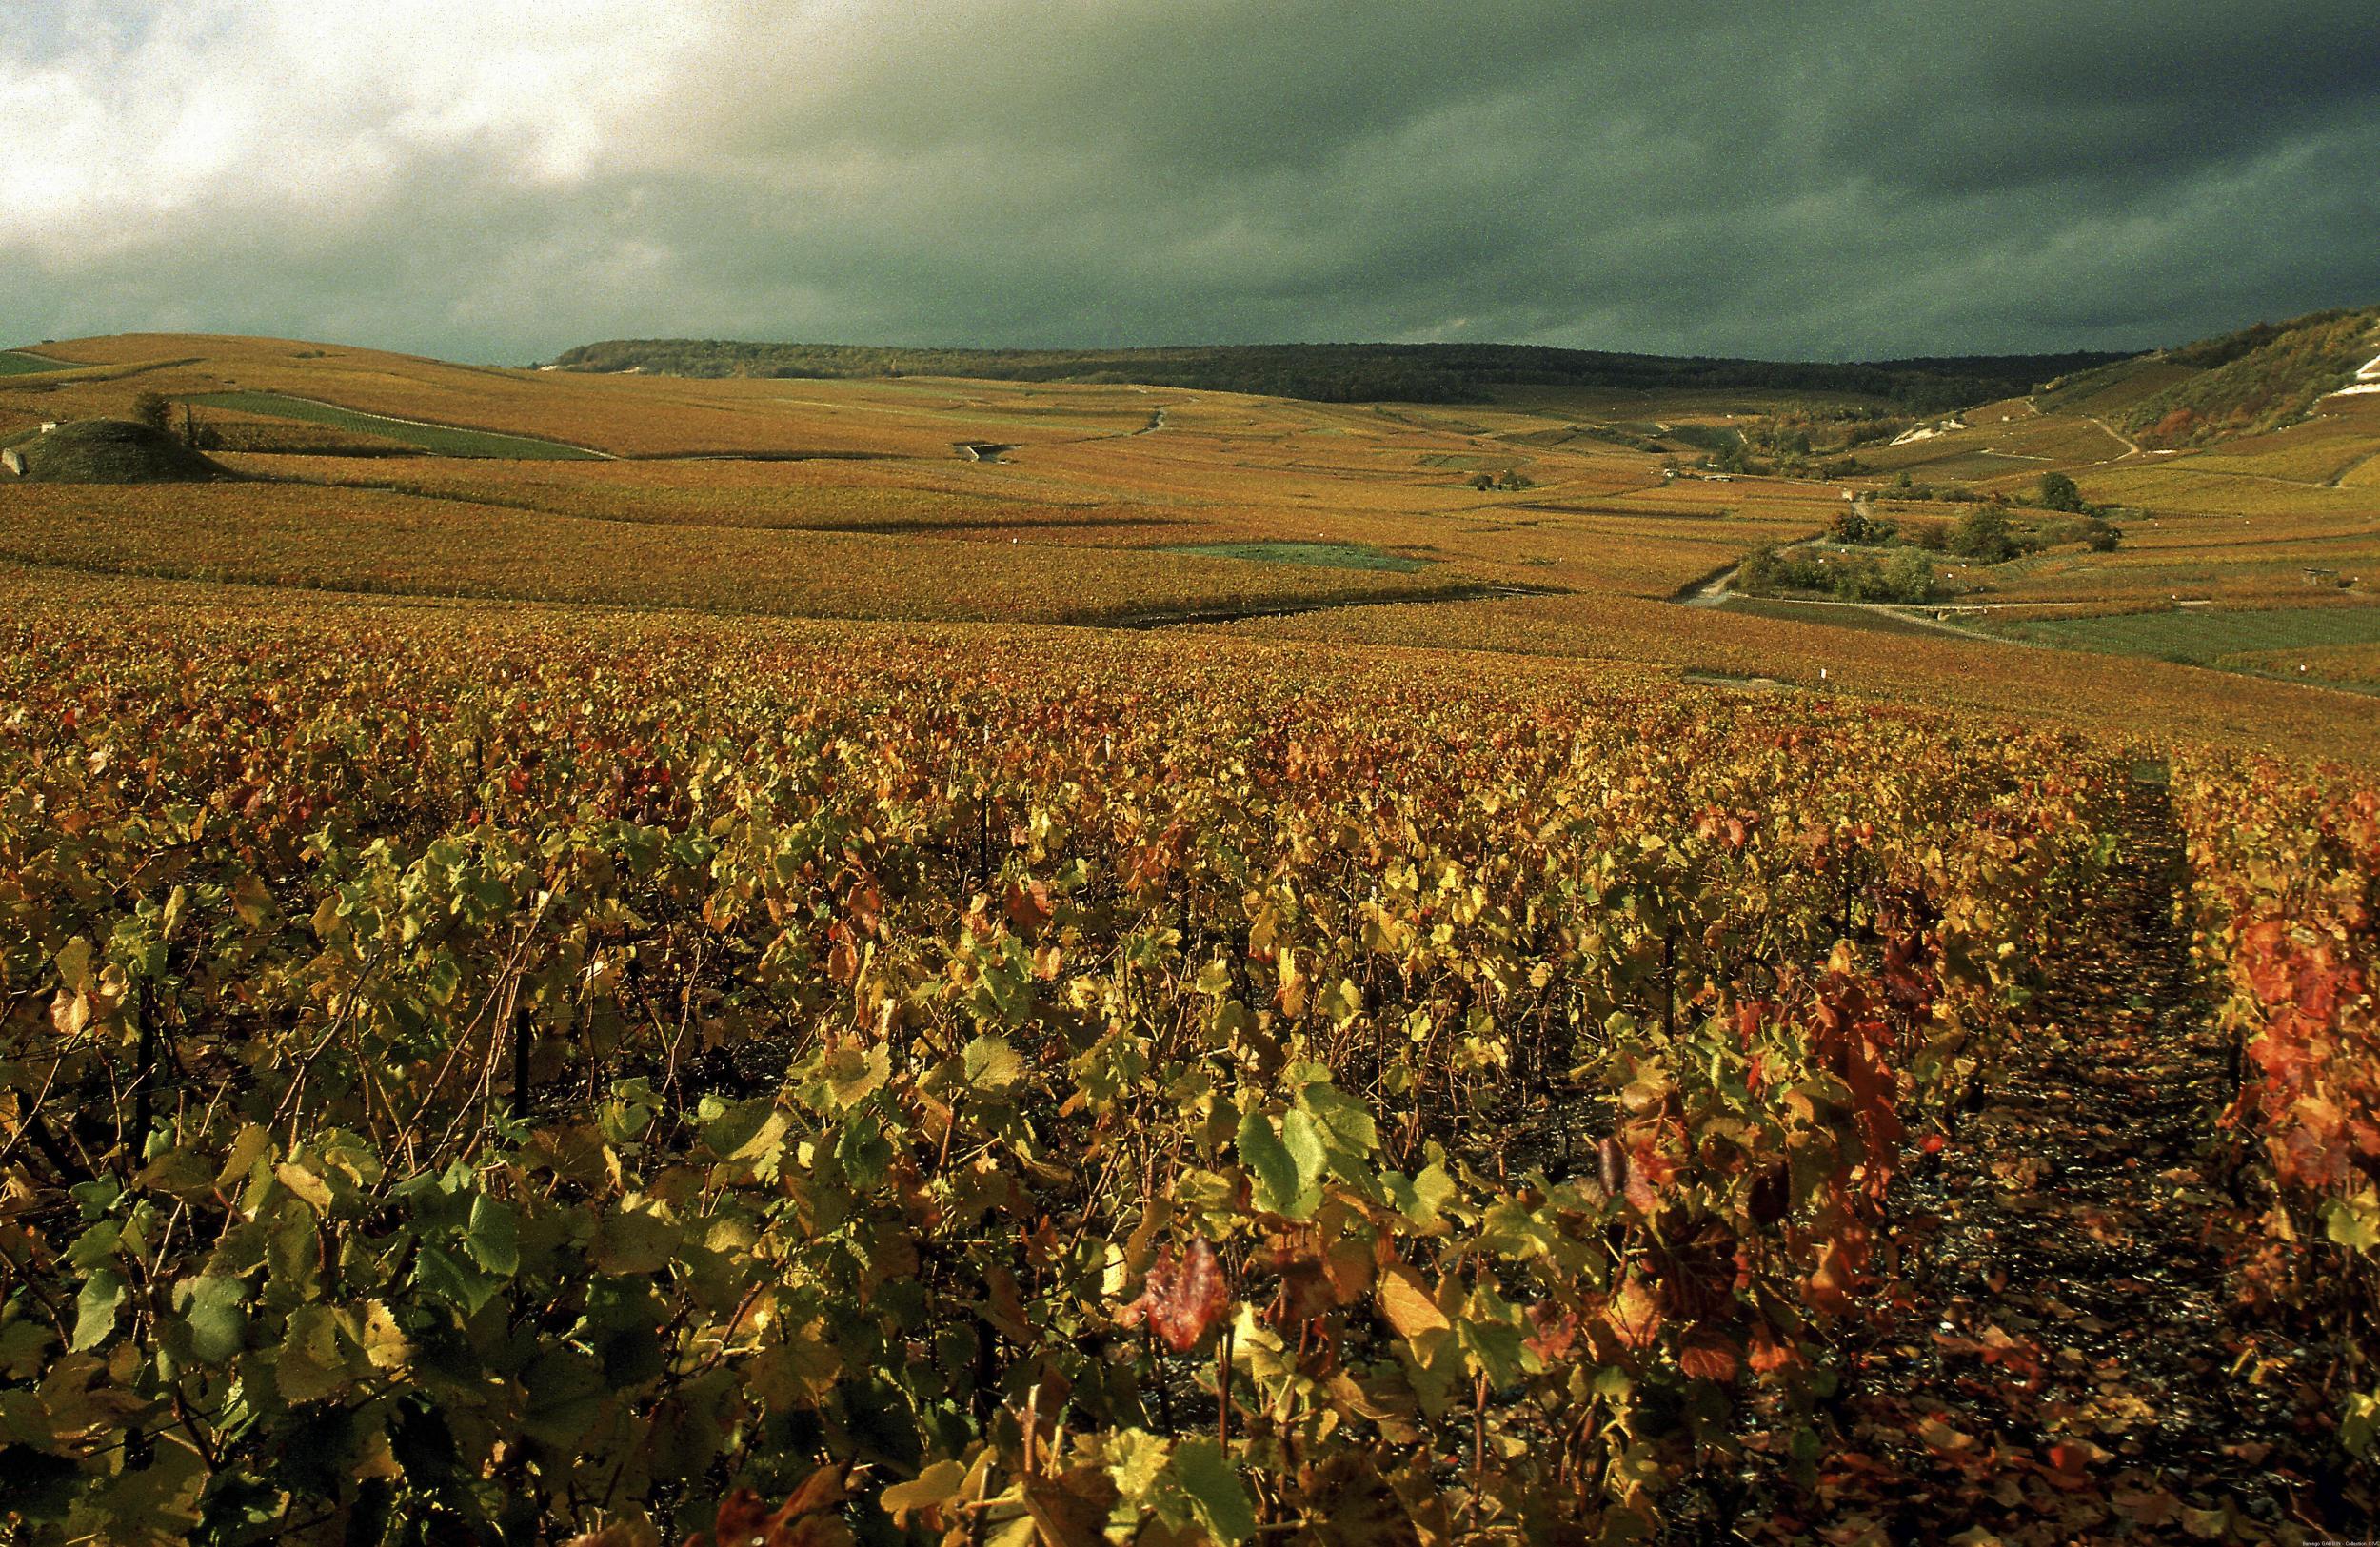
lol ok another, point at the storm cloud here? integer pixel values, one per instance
(497, 179)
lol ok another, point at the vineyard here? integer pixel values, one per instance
(478, 1074)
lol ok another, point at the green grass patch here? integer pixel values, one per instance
(17, 363)
(1321, 555)
(2200, 636)
(439, 439)
(1713, 438)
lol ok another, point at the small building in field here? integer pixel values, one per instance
(12, 462)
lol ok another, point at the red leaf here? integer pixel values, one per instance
(1180, 1301)
(2069, 1467)
(1611, 1162)
(1553, 1331)
(1029, 906)
(1829, 1285)
(806, 1518)
(1709, 1354)
(1770, 1353)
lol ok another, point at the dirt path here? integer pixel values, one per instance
(2071, 1364)
(1908, 612)
(2338, 480)
(2132, 448)
(1713, 592)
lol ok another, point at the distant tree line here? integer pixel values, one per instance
(1351, 372)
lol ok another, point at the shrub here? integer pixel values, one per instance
(2059, 493)
(1983, 534)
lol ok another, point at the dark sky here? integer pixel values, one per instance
(499, 179)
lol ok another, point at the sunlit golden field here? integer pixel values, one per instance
(853, 500)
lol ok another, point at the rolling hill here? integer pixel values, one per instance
(1559, 515)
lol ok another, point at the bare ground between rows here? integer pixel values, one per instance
(2071, 1362)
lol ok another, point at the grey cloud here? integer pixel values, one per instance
(1831, 180)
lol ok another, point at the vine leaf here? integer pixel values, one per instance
(1180, 1298)
(1216, 1493)
(95, 1309)
(1407, 1305)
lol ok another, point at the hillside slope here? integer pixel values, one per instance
(2259, 379)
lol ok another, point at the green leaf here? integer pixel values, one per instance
(1207, 1477)
(212, 1308)
(862, 1152)
(750, 1131)
(1491, 1347)
(1136, 1461)
(75, 964)
(305, 1184)
(1305, 1143)
(180, 1173)
(1342, 1001)
(853, 1076)
(1512, 1231)
(150, 1506)
(1272, 1168)
(1007, 983)
(1346, 1126)
(95, 1309)
(2359, 1425)
(456, 1282)
(23, 1345)
(492, 1237)
(251, 1146)
(1421, 1199)
(937, 1485)
(385, 1346)
(96, 1245)
(631, 1241)
(565, 1396)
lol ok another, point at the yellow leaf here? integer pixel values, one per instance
(1407, 1305)
(934, 1487)
(305, 1184)
(69, 1013)
(384, 1343)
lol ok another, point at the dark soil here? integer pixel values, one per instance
(2075, 1362)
